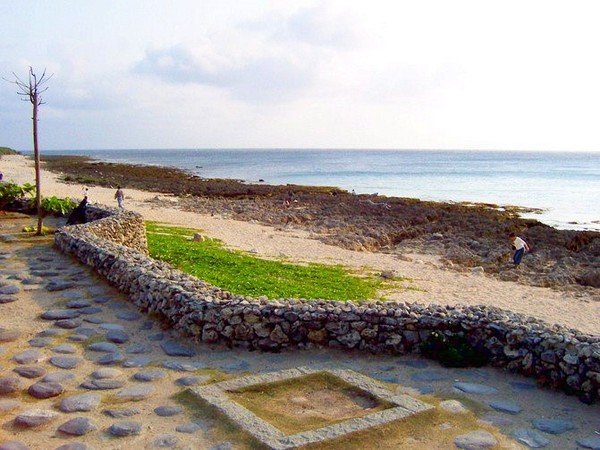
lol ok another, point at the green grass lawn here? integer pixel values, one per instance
(247, 275)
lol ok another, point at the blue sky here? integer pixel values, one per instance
(429, 74)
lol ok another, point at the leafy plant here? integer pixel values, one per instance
(10, 192)
(453, 351)
(248, 275)
(57, 206)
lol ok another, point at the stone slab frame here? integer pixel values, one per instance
(216, 395)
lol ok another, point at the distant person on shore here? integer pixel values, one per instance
(119, 195)
(520, 247)
(86, 195)
(288, 199)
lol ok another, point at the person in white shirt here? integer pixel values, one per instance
(520, 247)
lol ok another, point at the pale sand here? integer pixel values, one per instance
(429, 282)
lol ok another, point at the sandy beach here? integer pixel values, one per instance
(428, 280)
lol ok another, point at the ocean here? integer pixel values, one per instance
(566, 186)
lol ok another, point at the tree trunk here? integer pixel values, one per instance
(38, 181)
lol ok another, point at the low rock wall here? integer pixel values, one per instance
(115, 246)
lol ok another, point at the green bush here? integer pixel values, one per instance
(57, 206)
(10, 192)
(453, 351)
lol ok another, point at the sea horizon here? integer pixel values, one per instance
(564, 185)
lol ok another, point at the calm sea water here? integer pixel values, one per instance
(565, 185)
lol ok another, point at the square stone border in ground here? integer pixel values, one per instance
(215, 395)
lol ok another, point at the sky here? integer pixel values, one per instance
(426, 74)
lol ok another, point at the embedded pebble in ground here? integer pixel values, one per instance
(10, 289)
(592, 442)
(10, 385)
(35, 418)
(150, 375)
(475, 388)
(30, 371)
(58, 377)
(9, 335)
(117, 336)
(184, 366)
(121, 413)
(78, 426)
(173, 348)
(191, 381)
(136, 392)
(139, 348)
(29, 357)
(8, 405)
(506, 406)
(553, 426)
(67, 324)
(168, 411)
(106, 372)
(66, 362)
(42, 389)
(122, 429)
(111, 358)
(40, 341)
(58, 314)
(129, 316)
(68, 349)
(88, 310)
(82, 402)
(476, 440)
(77, 304)
(531, 438)
(112, 326)
(107, 347)
(189, 428)
(54, 286)
(102, 384)
(13, 445)
(138, 361)
(4, 299)
(73, 446)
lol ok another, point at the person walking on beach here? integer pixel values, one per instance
(520, 247)
(119, 196)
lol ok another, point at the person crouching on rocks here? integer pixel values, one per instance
(520, 247)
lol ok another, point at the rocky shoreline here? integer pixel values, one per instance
(466, 237)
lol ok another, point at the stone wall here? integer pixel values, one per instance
(114, 247)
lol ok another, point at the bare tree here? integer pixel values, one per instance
(32, 91)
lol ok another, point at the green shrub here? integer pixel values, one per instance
(10, 192)
(453, 351)
(57, 206)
